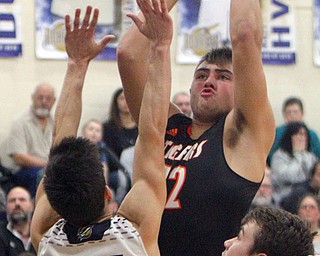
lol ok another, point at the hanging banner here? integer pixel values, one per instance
(50, 30)
(316, 32)
(204, 24)
(10, 28)
(279, 46)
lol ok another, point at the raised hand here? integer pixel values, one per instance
(299, 141)
(158, 23)
(79, 39)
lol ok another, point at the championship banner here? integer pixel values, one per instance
(50, 30)
(10, 28)
(204, 24)
(316, 32)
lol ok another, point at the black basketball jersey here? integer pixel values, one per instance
(206, 200)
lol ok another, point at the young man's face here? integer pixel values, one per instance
(212, 91)
(293, 113)
(241, 244)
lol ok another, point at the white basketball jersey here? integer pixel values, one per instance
(115, 236)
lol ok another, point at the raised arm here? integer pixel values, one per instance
(145, 202)
(252, 118)
(81, 48)
(133, 62)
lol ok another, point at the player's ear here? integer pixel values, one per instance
(107, 193)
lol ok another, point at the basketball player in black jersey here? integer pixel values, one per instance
(71, 215)
(215, 161)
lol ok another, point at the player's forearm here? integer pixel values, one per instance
(133, 61)
(157, 91)
(68, 112)
(245, 21)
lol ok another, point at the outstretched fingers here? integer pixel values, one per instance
(164, 7)
(156, 6)
(94, 20)
(105, 40)
(144, 6)
(67, 23)
(136, 20)
(86, 19)
(86, 23)
(76, 21)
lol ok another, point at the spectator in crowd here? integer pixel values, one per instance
(182, 100)
(30, 138)
(309, 210)
(269, 231)
(311, 186)
(119, 132)
(214, 162)
(74, 186)
(292, 162)
(293, 111)
(264, 195)
(93, 130)
(15, 235)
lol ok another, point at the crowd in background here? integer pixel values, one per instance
(291, 180)
(221, 180)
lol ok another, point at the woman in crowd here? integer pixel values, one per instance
(119, 132)
(293, 161)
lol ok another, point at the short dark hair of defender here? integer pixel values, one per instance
(281, 233)
(74, 181)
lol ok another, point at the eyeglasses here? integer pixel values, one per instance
(305, 207)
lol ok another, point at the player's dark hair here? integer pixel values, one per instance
(74, 181)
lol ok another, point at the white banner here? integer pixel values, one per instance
(204, 24)
(316, 32)
(10, 28)
(50, 29)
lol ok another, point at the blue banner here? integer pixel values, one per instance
(10, 28)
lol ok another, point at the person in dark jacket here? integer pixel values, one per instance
(15, 234)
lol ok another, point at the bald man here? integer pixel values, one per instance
(30, 138)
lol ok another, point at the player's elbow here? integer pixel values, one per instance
(245, 31)
(124, 54)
